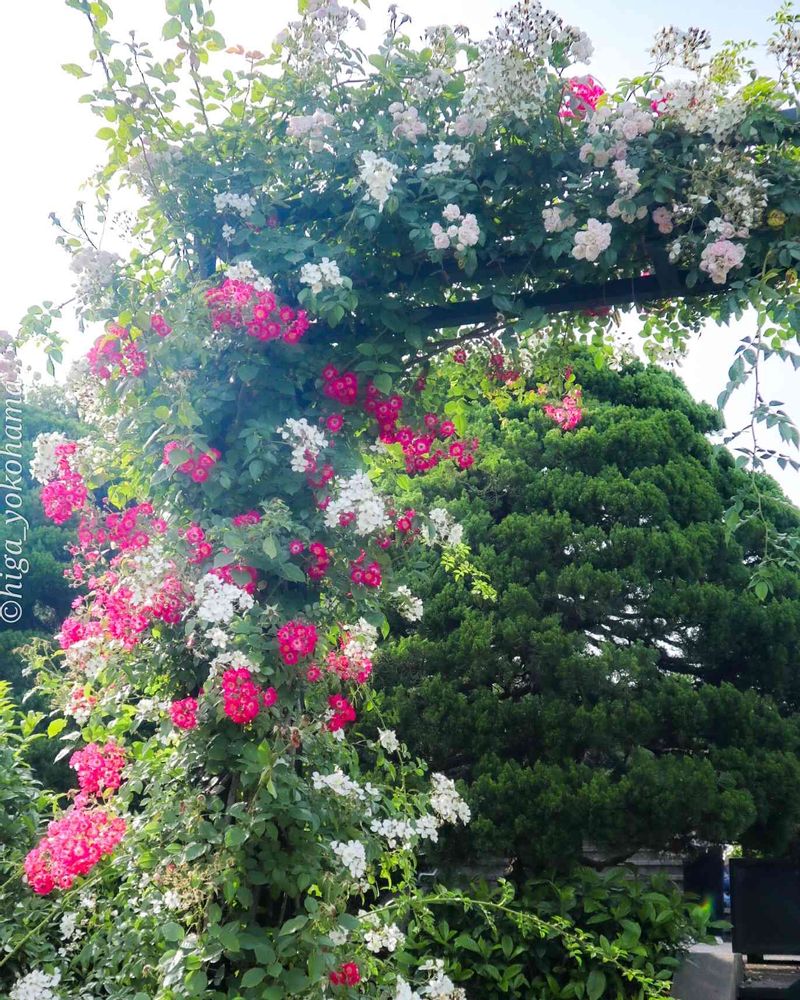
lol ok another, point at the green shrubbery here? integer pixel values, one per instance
(497, 952)
(628, 686)
(18, 788)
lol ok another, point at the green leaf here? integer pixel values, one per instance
(172, 932)
(293, 573)
(196, 982)
(316, 965)
(235, 836)
(293, 925)
(630, 936)
(229, 937)
(55, 727)
(178, 457)
(252, 977)
(74, 70)
(503, 303)
(172, 28)
(264, 952)
(383, 383)
(595, 984)
(335, 315)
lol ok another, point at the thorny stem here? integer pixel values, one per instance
(152, 97)
(754, 461)
(100, 56)
(199, 92)
(754, 437)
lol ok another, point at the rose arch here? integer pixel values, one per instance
(333, 253)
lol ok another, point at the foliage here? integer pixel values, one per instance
(715, 151)
(495, 953)
(627, 686)
(18, 790)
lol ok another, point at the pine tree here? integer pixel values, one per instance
(628, 688)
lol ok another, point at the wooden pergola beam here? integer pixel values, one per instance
(570, 298)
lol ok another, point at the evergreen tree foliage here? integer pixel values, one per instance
(628, 688)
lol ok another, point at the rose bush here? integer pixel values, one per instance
(316, 226)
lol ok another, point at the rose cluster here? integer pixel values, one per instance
(126, 532)
(582, 94)
(226, 574)
(462, 231)
(67, 492)
(365, 575)
(249, 518)
(141, 582)
(720, 257)
(239, 305)
(591, 241)
(80, 705)
(242, 696)
(352, 660)
(196, 539)
(115, 353)
(77, 840)
(320, 557)
(184, 713)
(159, 325)
(419, 446)
(307, 443)
(296, 640)
(568, 415)
(378, 176)
(498, 371)
(346, 975)
(98, 768)
(341, 387)
(197, 466)
(73, 845)
(110, 615)
(342, 712)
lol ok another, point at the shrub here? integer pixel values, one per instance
(497, 952)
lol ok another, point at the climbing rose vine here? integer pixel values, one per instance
(317, 230)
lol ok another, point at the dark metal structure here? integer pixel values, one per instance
(765, 908)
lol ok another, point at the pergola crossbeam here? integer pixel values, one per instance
(569, 298)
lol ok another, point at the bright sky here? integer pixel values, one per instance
(51, 145)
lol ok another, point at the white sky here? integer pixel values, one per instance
(51, 148)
